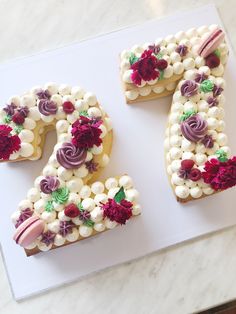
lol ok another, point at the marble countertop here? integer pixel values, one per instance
(183, 279)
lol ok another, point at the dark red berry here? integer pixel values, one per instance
(72, 211)
(18, 118)
(212, 61)
(187, 164)
(68, 107)
(162, 64)
(195, 174)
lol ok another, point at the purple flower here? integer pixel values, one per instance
(200, 77)
(47, 107)
(71, 157)
(183, 173)
(91, 166)
(217, 90)
(65, 227)
(49, 184)
(189, 88)
(155, 48)
(44, 94)
(212, 101)
(207, 141)
(182, 50)
(25, 214)
(48, 237)
(194, 128)
(10, 109)
(84, 215)
(24, 111)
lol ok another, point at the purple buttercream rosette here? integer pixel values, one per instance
(71, 157)
(47, 107)
(194, 128)
(49, 184)
(189, 88)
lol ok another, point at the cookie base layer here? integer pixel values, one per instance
(152, 95)
(36, 250)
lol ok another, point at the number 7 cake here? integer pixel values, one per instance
(190, 65)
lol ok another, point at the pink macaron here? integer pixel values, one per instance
(211, 43)
(28, 231)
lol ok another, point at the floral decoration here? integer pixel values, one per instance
(189, 88)
(212, 101)
(217, 90)
(10, 109)
(220, 175)
(206, 86)
(25, 214)
(49, 184)
(8, 143)
(194, 128)
(182, 50)
(187, 171)
(118, 209)
(147, 67)
(48, 237)
(221, 155)
(91, 165)
(200, 77)
(86, 133)
(65, 227)
(207, 141)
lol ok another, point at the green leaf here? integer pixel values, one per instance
(187, 114)
(159, 55)
(84, 113)
(133, 58)
(161, 75)
(221, 155)
(49, 206)
(89, 223)
(7, 119)
(18, 128)
(80, 206)
(217, 53)
(120, 195)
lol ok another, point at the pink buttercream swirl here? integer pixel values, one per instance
(49, 184)
(71, 157)
(194, 128)
(189, 88)
(47, 107)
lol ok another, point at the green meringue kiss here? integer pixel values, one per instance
(206, 86)
(60, 195)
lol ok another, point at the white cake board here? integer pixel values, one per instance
(137, 150)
